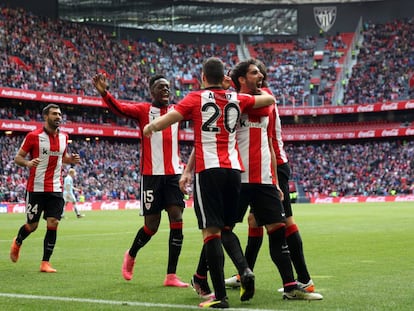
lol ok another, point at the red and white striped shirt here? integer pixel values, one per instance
(160, 154)
(50, 149)
(252, 137)
(215, 114)
(275, 127)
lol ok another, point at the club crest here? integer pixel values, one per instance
(325, 17)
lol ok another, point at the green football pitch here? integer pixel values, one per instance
(361, 257)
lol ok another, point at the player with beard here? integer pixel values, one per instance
(215, 113)
(47, 149)
(161, 169)
(293, 238)
(260, 189)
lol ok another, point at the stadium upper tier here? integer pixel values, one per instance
(58, 56)
(61, 57)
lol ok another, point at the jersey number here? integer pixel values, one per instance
(149, 196)
(30, 209)
(231, 117)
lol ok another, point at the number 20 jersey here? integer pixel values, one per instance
(215, 114)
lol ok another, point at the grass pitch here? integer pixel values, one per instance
(360, 257)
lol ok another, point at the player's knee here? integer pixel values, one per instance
(52, 222)
(31, 227)
(290, 221)
(175, 213)
(152, 227)
(152, 222)
(251, 220)
(148, 230)
(176, 219)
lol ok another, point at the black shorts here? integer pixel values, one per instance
(283, 175)
(50, 203)
(159, 192)
(264, 203)
(216, 197)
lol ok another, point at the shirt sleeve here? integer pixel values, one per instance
(184, 107)
(121, 109)
(27, 143)
(272, 120)
(247, 102)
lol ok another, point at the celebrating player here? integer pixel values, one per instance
(160, 168)
(47, 148)
(215, 113)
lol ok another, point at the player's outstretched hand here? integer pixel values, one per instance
(100, 83)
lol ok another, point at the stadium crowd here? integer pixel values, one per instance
(289, 69)
(59, 56)
(110, 169)
(384, 64)
(343, 169)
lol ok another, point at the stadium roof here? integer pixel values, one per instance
(284, 1)
(198, 16)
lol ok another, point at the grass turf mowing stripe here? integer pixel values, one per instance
(118, 302)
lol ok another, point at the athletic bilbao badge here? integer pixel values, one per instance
(325, 17)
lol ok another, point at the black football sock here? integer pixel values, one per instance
(215, 261)
(254, 242)
(279, 252)
(175, 244)
(23, 233)
(294, 242)
(233, 248)
(49, 242)
(202, 267)
(143, 236)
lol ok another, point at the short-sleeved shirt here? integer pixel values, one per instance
(160, 153)
(50, 148)
(252, 138)
(215, 114)
(275, 130)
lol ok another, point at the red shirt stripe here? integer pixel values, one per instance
(159, 153)
(46, 177)
(215, 114)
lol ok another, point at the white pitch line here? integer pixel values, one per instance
(118, 302)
